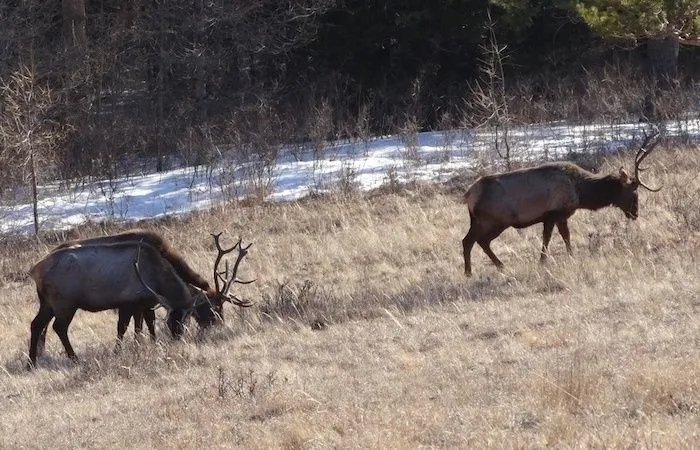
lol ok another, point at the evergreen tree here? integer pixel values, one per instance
(664, 24)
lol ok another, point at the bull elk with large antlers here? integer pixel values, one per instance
(128, 276)
(210, 300)
(547, 194)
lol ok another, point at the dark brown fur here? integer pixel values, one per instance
(156, 241)
(101, 277)
(547, 194)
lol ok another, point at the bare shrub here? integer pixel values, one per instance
(616, 93)
(363, 126)
(488, 97)
(258, 178)
(28, 132)
(230, 185)
(246, 385)
(408, 136)
(302, 302)
(393, 182)
(347, 184)
(447, 136)
(320, 127)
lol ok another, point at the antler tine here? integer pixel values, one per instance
(161, 299)
(216, 262)
(645, 150)
(641, 183)
(242, 303)
(242, 252)
(218, 244)
(221, 252)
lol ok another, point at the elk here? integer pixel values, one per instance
(96, 278)
(128, 276)
(154, 240)
(547, 194)
(211, 301)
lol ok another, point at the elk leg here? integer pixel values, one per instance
(150, 316)
(485, 244)
(122, 325)
(563, 228)
(138, 321)
(41, 346)
(467, 245)
(42, 341)
(60, 326)
(39, 324)
(546, 237)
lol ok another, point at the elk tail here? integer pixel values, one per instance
(473, 194)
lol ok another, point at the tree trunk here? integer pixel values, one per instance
(160, 89)
(73, 23)
(662, 58)
(200, 82)
(35, 196)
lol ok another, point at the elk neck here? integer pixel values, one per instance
(597, 192)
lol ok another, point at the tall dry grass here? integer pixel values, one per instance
(367, 334)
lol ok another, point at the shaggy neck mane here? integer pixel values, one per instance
(595, 192)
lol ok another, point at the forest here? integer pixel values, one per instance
(91, 88)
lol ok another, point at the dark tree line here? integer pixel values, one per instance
(113, 81)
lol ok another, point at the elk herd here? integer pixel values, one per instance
(136, 271)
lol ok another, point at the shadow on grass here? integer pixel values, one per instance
(318, 306)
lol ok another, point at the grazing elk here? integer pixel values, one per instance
(97, 278)
(549, 193)
(129, 276)
(156, 241)
(210, 301)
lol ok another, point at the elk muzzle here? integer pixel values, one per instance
(176, 322)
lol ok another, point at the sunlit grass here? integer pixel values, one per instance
(366, 333)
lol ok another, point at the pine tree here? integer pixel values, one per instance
(663, 24)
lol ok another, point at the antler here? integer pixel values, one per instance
(161, 299)
(222, 252)
(229, 278)
(645, 150)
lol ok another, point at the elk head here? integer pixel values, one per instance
(211, 310)
(628, 199)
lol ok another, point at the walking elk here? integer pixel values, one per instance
(550, 194)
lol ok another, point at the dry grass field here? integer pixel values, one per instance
(366, 334)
